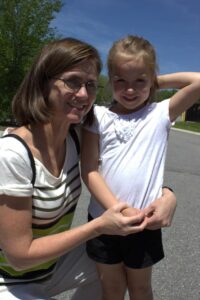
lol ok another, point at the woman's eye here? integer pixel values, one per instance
(92, 84)
(73, 83)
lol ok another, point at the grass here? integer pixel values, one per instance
(190, 126)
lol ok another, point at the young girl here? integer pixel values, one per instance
(123, 157)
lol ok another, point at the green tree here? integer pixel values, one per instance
(164, 94)
(24, 29)
(104, 95)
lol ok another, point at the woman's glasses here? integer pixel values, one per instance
(74, 85)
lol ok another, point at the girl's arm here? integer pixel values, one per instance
(23, 252)
(89, 170)
(188, 84)
(161, 211)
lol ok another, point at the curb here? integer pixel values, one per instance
(186, 131)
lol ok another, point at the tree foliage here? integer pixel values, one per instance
(104, 94)
(24, 28)
(164, 94)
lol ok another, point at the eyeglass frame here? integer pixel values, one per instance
(76, 90)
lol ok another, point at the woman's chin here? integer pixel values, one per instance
(75, 118)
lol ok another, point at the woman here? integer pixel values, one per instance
(36, 244)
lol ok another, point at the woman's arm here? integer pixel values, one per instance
(161, 211)
(23, 252)
(188, 84)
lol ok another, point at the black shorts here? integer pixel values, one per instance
(137, 251)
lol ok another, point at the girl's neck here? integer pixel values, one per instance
(120, 110)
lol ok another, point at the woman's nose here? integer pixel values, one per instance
(82, 92)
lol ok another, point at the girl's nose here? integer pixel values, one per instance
(130, 89)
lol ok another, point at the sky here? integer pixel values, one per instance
(172, 26)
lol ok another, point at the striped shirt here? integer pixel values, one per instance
(54, 199)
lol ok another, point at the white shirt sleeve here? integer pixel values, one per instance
(15, 169)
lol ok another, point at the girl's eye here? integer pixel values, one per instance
(120, 80)
(140, 80)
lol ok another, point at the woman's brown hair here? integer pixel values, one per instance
(30, 104)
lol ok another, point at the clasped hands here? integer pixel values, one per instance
(158, 214)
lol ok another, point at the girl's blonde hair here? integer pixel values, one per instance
(136, 47)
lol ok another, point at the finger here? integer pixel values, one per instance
(120, 206)
(138, 228)
(152, 221)
(153, 227)
(148, 211)
(131, 230)
(136, 219)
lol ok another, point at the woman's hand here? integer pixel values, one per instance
(130, 211)
(160, 212)
(115, 223)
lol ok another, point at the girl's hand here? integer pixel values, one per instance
(160, 212)
(115, 223)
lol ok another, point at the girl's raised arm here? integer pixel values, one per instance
(188, 84)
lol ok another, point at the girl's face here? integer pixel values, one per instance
(73, 92)
(131, 82)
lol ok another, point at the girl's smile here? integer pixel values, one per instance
(131, 83)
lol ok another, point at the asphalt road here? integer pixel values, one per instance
(177, 277)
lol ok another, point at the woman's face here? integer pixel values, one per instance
(73, 92)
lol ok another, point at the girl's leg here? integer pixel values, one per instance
(113, 280)
(139, 283)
